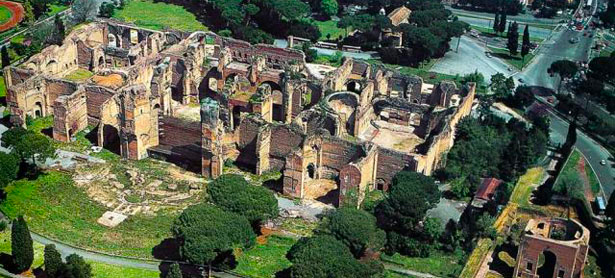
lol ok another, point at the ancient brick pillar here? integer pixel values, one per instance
(212, 159)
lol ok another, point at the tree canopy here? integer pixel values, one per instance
(355, 228)
(205, 231)
(233, 193)
(9, 167)
(27, 144)
(21, 242)
(323, 256)
(53, 261)
(76, 267)
(564, 68)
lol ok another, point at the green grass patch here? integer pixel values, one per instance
(475, 259)
(55, 207)
(38, 124)
(490, 32)
(5, 14)
(525, 186)
(329, 30)
(79, 75)
(159, 16)
(265, 260)
(592, 270)
(2, 87)
(422, 71)
(99, 270)
(438, 263)
(516, 61)
(55, 9)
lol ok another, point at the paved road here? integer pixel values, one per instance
(470, 57)
(535, 32)
(557, 48)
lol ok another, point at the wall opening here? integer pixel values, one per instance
(546, 264)
(311, 170)
(111, 139)
(38, 109)
(353, 86)
(236, 116)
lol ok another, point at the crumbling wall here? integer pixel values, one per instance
(390, 162)
(69, 115)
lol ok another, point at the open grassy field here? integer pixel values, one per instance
(159, 16)
(53, 206)
(329, 30)
(439, 263)
(99, 270)
(5, 14)
(264, 260)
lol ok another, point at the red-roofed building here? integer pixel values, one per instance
(485, 192)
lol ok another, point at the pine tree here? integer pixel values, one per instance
(53, 261)
(174, 271)
(21, 242)
(60, 30)
(6, 60)
(503, 22)
(496, 23)
(513, 39)
(28, 12)
(525, 45)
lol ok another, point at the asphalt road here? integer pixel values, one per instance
(556, 48)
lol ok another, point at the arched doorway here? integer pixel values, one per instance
(236, 117)
(278, 113)
(546, 264)
(101, 62)
(38, 109)
(353, 86)
(209, 85)
(111, 139)
(311, 170)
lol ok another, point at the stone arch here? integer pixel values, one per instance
(354, 86)
(344, 104)
(52, 66)
(546, 266)
(112, 40)
(278, 108)
(311, 171)
(209, 84)
(111, 138)
(37, 111)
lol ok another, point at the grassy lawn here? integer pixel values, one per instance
(2, 87)
(264, 260)
(489, 32)
(99, 270)
(473, 264)
(515, 61)
(53, 206)
(525, 186)
(423, 71)
(79, 75)
(158, 16)
(438, 263)
(572, 165)
(5, 14)
(56, 8)
(330, 28)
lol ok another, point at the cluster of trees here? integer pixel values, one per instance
(259, 21)
(34, 9)
(344, 237)
(427, 36)
(548, 9)
(36, 39)
(499, 26)
(108, 8)
(27, 147)
(208, 233)
(608, 16)
(511, 7)
(22, 252)
(490, 147)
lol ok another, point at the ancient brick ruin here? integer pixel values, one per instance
(198, 100)
(554, 248)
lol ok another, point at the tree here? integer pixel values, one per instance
(6, 60)
(411, 195)
(525, 45)
(484, 226)
(174, 271)
(53, 261)
(502, 86)
(84, 10)
(496, 23)
(205, 232)
(323, 256)
(503, 22)
(571, 136)
(27, 144)
(21, 242)
(310, 54)
(106, 9)
(60, 30)
(28, 12)
(9, 167)
(513, 39)
(233, 193)
(356, 229)
(76, 267)
(40, 7)
(329, 7)
(602, 68)
(564, 68)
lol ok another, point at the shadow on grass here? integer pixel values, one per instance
(168, 250)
